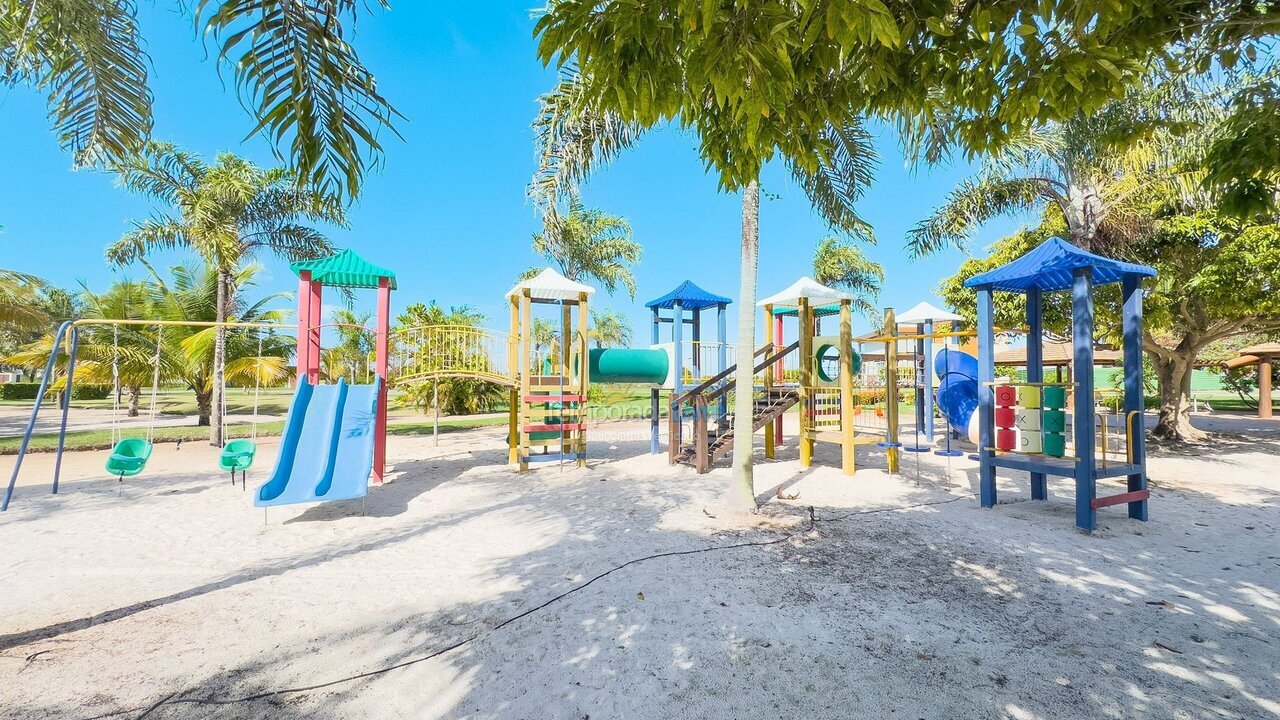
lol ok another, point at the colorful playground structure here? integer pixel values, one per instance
(848, 389)
(1023, 425)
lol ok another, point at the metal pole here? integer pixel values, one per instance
(435, 404)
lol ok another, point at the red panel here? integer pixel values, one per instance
(1004, 439)
(1004, 417)
(553, 398)
(570, 427)
(1006, 395)
(1120, 499)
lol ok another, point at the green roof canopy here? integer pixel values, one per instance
(346, 269)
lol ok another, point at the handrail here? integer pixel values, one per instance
(723, 389)
(719, 377)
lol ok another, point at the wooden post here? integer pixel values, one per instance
(1134, 402)
(584, 379)
(1035, 370)
(382, 358)
(769, 447)
(806, 371)
(1264, 386)
(778, 370)
(1082, 371)
(893, 452)
(846, 387)
(514, 370)
(526, 337)
(986, 398)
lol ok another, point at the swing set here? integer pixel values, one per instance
(129, 455)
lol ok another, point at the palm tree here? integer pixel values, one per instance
(842, 265)
(355, 343)
(227, 212)
(19, 301)
(574, 137)
(304, 84)
(192, 294)
(1099, 170)
(589, 244)
(610, 328)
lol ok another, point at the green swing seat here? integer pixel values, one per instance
(129, 457)
(237, 456)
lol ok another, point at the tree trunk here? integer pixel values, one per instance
(219, 359)
(742, 494)
(204, 405)
(1174, 375)
(135, 397)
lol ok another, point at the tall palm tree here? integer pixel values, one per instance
(1099, 170)
(303, 83)
(843, 265)
(227, 212)
(355, 343)
(574, 137)
(610, 328)
(589, 244)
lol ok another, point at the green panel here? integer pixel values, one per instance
(1054, 420)
(1055, 444)
(618, 365)
(1054, 397)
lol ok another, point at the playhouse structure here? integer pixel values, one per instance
(1024, 425)
(684, 305)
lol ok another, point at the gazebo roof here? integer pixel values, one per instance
(346, 269)
(1049, 267)
(808, 288)
(690, 297)
(924, 311)
(550, 285)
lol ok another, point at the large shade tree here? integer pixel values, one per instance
(228, 212)
(304, 85)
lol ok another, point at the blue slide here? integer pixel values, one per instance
(958, 390)
(326, 452)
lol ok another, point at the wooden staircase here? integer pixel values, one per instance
(713, 440)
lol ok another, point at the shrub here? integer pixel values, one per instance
(90, 392)
(19, 391)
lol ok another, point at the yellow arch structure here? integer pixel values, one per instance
(436, 352)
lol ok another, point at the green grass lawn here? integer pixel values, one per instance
(272, 401)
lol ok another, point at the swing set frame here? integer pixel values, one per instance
(68, 336)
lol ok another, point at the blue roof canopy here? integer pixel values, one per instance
(1049, 267)
(690, 297)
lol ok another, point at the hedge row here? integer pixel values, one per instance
(29, 390)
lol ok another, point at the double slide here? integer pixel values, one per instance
(326, 453)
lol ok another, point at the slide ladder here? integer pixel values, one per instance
(713, 429)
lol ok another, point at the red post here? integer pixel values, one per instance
(777, 334)
(313, 326)
(303, 354)
(382, 360)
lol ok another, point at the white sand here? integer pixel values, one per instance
(175, 588)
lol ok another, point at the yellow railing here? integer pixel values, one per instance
(435, 352)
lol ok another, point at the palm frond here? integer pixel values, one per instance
(87, 56)
(572, 138)
(846, 168)
(970, 205)
(305, 84)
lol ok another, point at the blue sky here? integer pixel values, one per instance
(448, 211)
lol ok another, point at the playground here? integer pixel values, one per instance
(175, 591)
(916, 503)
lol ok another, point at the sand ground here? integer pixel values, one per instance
(444, 594)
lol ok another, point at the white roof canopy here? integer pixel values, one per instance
(805, 287)
(550, 285)
(924, 311)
